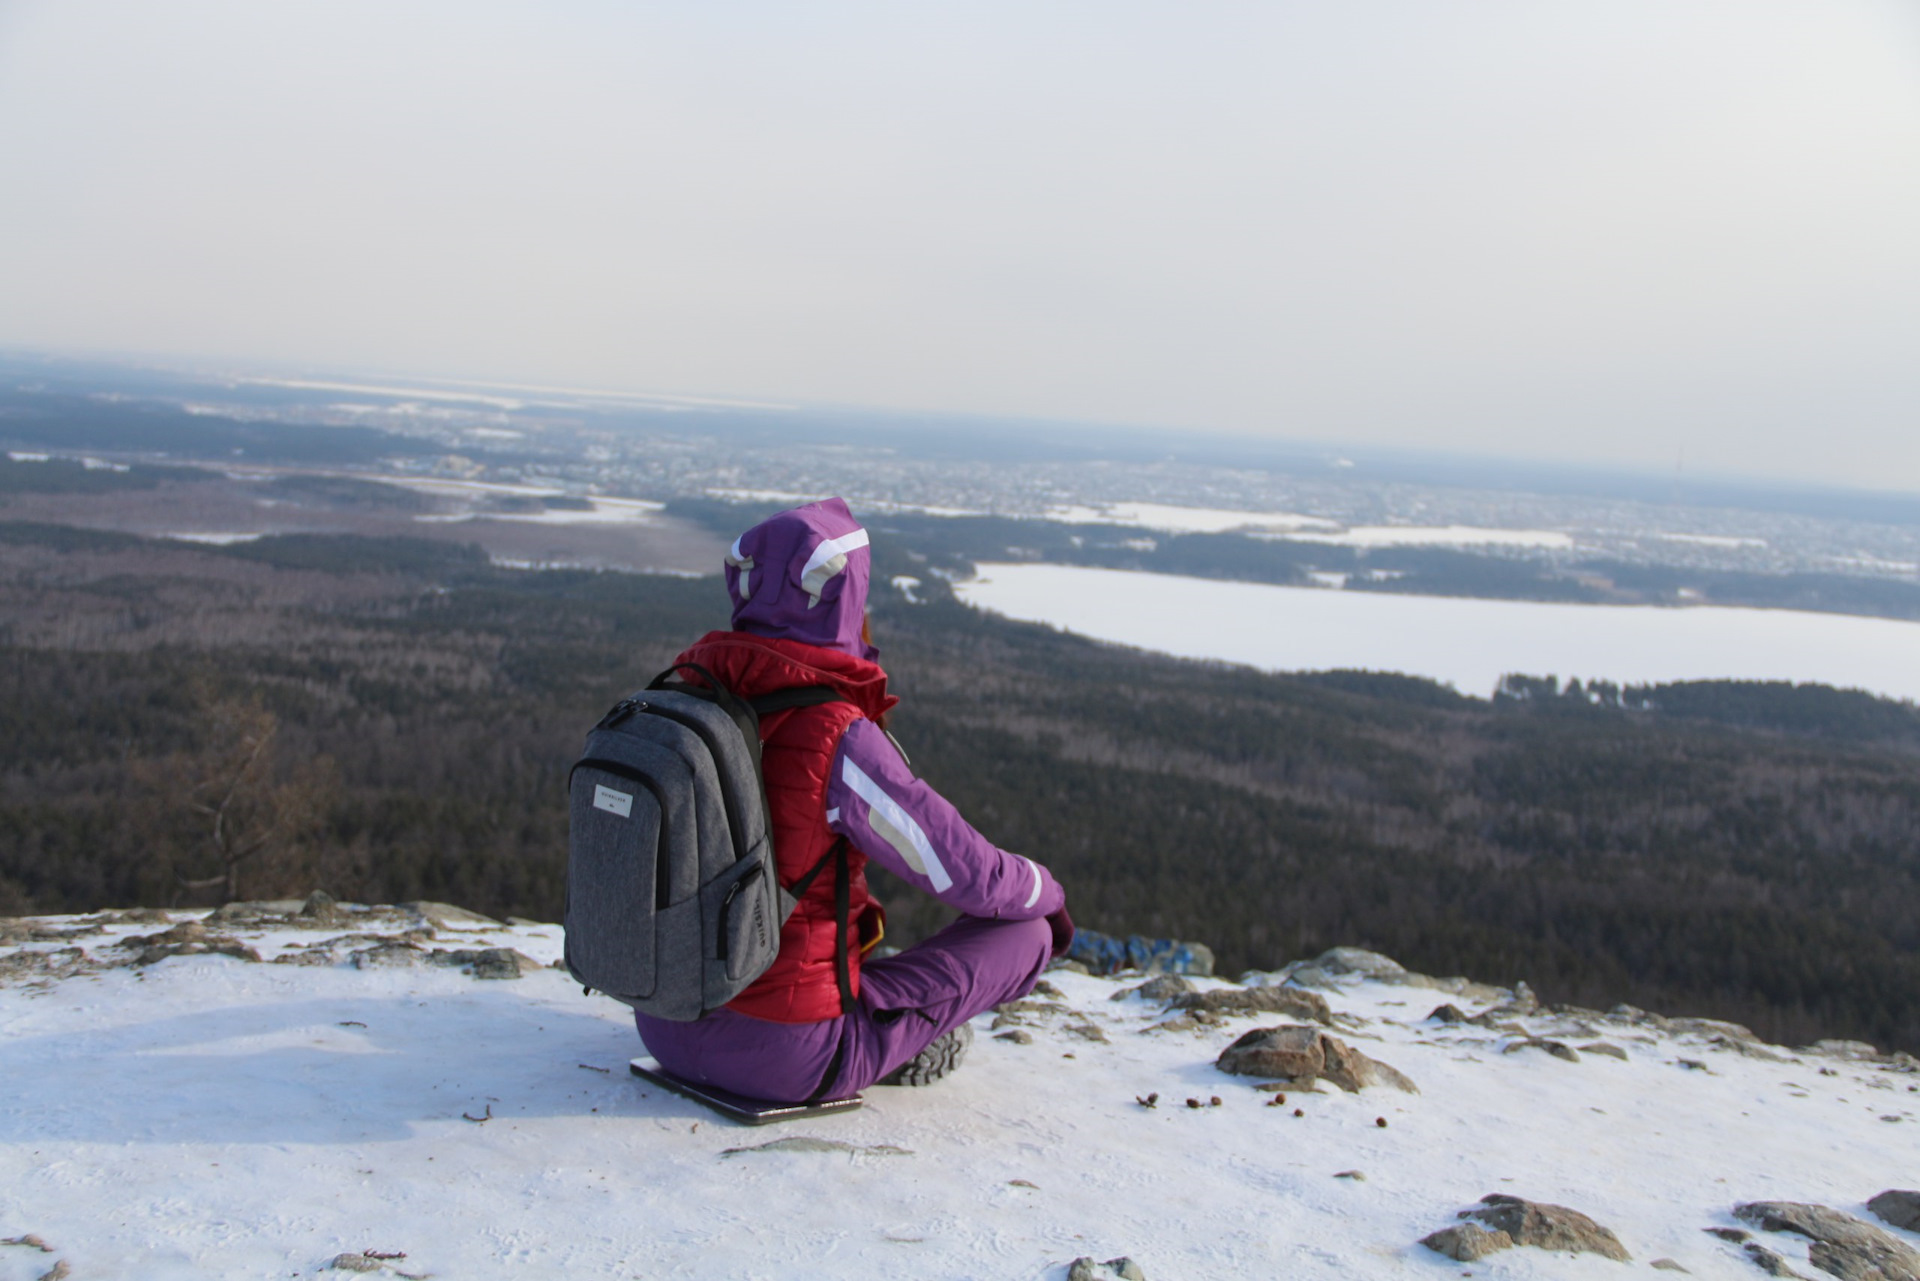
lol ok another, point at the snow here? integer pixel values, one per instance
(209, 1117)
(215, 538)
(1467, 643)
(1434, 536)
(1182, 520)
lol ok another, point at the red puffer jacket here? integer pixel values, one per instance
(800, 743)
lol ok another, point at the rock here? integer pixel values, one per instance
(1555, 1048)
(1087, 1032)
(1667, 1265)
(1193, 1022)
(1122, 1269)
(1353, 1071)
(1069, 965)
(1547, 1227)
(1355, 1175)
(1357, 960)
(1901, 1209)
(1447, 1014)
(807, 1143)
(1159, 988)
(487, 962)
(62, 963)
(1292, 1053)
(1302, 1054)
(447, 916)
(1842, 1244)
(1769, 1262)
(254, 910)
(1019, 1036)
(1467, 1242)
(1043, 988)
(1604, 1047)
(319, 910)
(370, 1263)
(1746, 1049)
(389, 955)
(1290, 1001)
(1735, 1235)
(1853, 1051)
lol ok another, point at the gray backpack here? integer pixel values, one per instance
(673, 901)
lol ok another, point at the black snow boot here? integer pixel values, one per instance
(942, 1056)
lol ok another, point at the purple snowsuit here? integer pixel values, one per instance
(780, 577)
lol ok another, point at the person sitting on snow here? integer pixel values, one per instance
(826, 1020)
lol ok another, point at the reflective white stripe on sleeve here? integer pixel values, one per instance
(833, 816)
(896, 827)
(1035, 896)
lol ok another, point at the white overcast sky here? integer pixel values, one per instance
(1640, 232)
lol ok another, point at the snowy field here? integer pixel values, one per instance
(208, 1116)
(1467, 643)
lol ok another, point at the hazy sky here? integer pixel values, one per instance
(1630, 231)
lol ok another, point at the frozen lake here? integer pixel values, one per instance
(1467, 643)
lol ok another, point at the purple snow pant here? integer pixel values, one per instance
(906, 1001)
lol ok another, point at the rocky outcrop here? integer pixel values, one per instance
(1120, 1269)
(1160, 989)
(1290, 1001)
(1467, 1242)
(1306, 1054)
(1842, 1245)
(1549, 1227)
(1901, 1209)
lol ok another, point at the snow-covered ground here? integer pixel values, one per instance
(1467, 643)
(209, 1116)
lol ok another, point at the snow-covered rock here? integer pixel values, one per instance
(197, 1113)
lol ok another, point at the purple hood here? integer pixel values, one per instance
(802, 575)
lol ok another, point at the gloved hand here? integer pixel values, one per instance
(1062, 926)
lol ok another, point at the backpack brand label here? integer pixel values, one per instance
(619, 804)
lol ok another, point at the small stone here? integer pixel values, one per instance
(1299, 1112)
(1022, 1183)
(1148, 1101)
(1018, 1035)
(1667, 1265)
(1603, 1047)
(1088, 1032)
(1380, 1121)
(1467, 1242)
(1355, 1175)
(60, 1271)
(31, 1241)
(1695, 1065)
(1735, 1235)
(1043, 988)
(1448, 1013)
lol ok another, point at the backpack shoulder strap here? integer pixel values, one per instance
(799, 696)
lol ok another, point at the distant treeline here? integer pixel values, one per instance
(395, 719)
(58, 421)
